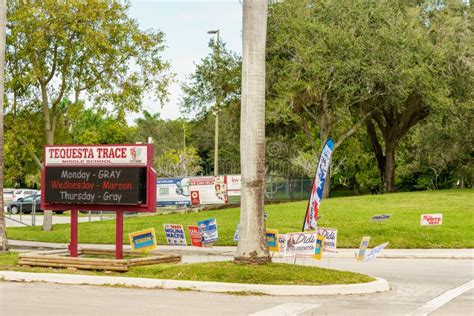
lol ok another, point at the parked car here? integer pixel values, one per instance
(21, 193)
(8, 196)
(25, 205)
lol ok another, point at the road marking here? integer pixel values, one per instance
(288, 309)
(444, 298)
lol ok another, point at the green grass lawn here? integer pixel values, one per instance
(273, 273)
(350, 215)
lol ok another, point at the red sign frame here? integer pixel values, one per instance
(149, 206)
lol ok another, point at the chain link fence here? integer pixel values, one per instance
(277, 188)
(287, 189)
(283, 189)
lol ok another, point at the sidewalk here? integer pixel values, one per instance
(230, 251)
(377, 286)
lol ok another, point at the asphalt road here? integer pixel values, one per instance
(414, 283)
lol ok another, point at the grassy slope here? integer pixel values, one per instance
(350, 215)
(275, 273)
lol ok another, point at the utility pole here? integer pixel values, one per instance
(216, 128)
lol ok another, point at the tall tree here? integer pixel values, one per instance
(96, 127)
(252, 247)
(431, 71)
(215, 81)
(3, 20)
(217, 76)
(168, 134)
(335, 65)
(83, 51)
(314, 67)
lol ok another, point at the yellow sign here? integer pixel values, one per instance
(143, 240)
(272, 240)
(318, 248)
(362, 248)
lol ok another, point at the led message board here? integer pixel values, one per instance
(95, 185)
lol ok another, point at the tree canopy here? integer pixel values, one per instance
(82, 51)
(335, 64)
(390, 81)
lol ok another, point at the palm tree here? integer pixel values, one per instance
(252, 247)
(3, 26)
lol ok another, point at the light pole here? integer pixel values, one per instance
(216, 130)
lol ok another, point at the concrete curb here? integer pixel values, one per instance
(230, 251)
(379, 285)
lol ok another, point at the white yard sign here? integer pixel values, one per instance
(431, 219)
(373, 253)
(330, 243)
(300, 244)
(175, 234)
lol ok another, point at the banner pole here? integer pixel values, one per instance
(307, 207)
(73, 243)
(119, 235)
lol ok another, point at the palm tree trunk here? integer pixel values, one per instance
(252, 247)
(3, 20)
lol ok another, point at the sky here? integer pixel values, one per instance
(185, 24)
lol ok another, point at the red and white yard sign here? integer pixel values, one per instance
(431, 219)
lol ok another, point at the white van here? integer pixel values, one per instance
(20, 193)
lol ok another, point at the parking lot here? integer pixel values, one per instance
(21, 220)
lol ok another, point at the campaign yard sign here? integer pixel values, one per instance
(282, 243)
(318, 249)
(236, 233)
(143, 240)
(208, 230)
(380, 218)
(431, 219)
(362, 248)
(175, 234)
(330, 241)
(272, 240)
(373, 253)
(300, 244)
(195, 236)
